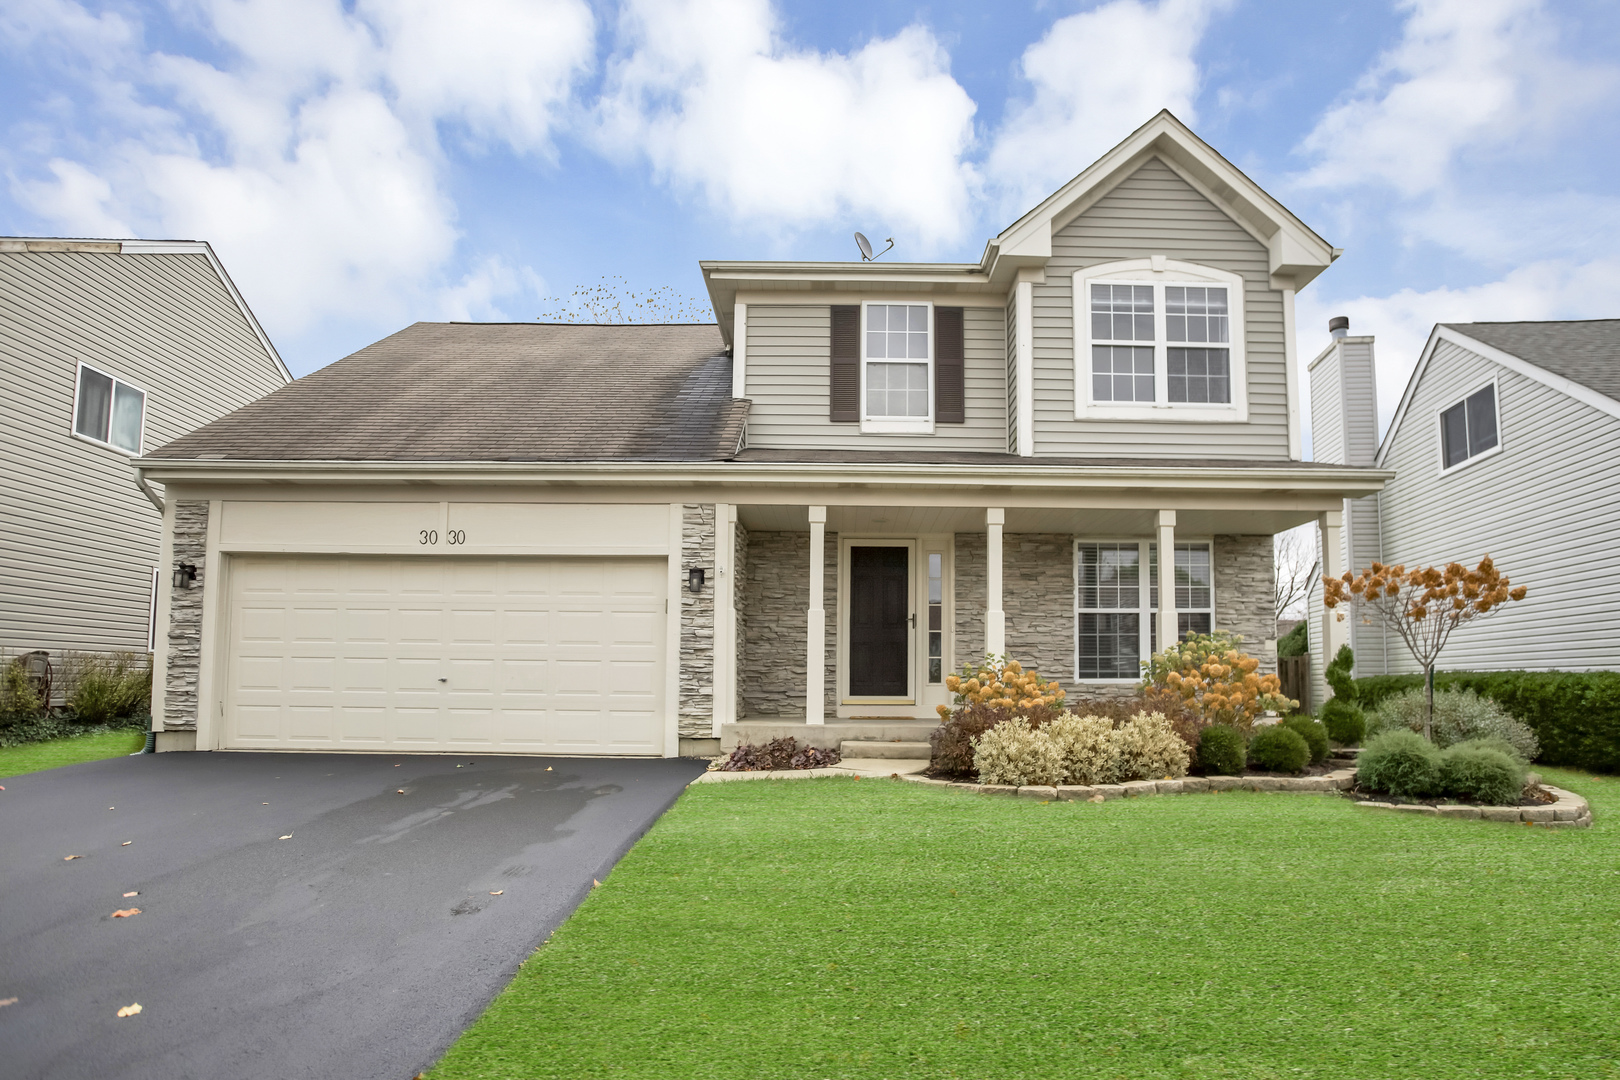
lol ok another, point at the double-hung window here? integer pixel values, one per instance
(1468, 429)
(897, 360)
(109, 411)
(1117, 602)
(1159, 340)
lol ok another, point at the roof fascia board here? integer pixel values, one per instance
(1406, 395)
(202, 247)
(764, 474)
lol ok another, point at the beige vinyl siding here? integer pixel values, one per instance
(79, 540)
(1012, 372)
(787, 379)
(1546, 508)
(1155, 212)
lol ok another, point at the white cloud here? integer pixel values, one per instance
(1096, 77)
(1466, 74)
(783, 138)
(1401, 322)
(311, 156)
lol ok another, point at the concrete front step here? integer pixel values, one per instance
(869, 748)
(758, 732)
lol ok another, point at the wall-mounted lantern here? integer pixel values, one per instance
(694, 579)
(184, 575)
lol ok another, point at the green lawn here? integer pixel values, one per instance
(32, 757)
(874, 928)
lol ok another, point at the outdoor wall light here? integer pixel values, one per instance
(184, 575)
(694, 579)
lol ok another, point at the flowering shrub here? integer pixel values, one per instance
(1000, 682)
(951, 744)
(1210, 672)
(1014, 753)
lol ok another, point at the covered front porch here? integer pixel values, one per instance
(838, 621)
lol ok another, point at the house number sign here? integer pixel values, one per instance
(431, 536)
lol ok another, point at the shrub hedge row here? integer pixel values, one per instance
(1575, 714)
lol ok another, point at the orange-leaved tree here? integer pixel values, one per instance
(1423, 606)
(995, 681)
(1216, 677)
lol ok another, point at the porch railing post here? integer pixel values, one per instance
(995, 620)
(1169, 623)
(815, 661)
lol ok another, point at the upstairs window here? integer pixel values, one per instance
(897, 367)
(109, 411)
(1468, 428)
(1159, 340)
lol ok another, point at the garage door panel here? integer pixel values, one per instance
(535, 655)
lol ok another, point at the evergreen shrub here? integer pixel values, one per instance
(1222, 751)
(1401, 763)
(1279, 749)
(1314, 734)
(1470, 770)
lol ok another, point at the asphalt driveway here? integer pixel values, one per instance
(359, 946)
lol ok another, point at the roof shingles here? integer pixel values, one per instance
(1585, 351)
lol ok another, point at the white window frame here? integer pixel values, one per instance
(1146, 611)
(1158, 272)
(1208, 544)
(888, 425)
(1440, 427)
(78, 387)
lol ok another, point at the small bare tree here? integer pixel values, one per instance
(1297, 566)
(1424, 606)
(611, 301)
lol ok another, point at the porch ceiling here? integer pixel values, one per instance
(1122, 521)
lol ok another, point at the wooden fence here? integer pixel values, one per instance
(1294, 672)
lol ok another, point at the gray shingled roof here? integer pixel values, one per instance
(497, 392)
(1585, 351)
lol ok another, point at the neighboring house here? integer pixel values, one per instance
(1507, 443)
(107, 348)
(655, 539)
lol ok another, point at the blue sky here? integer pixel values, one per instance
(359, 165)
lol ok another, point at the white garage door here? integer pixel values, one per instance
(560, 656)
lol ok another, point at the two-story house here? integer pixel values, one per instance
(107, 348)
(648, 539)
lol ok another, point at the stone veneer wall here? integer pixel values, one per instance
(1246, 594)
(697, 623)
(185, 618)
(739, 572)
(1038, 599)
(776, 592)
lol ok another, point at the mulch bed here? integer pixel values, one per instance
(1537, 796)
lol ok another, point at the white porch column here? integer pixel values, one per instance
(995, 620)
(815, 661)
(1333, 632)
(1169, 625)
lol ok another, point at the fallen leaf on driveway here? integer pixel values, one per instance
(594, 883)
(130, 1010)
(2, 788)
(112, 807)
(287, 837)
(497, 892)
(548, 768)
(128, 894)
(7, 1001)
(126, 843)
(124, 913)
(402, 791)
(70, 858)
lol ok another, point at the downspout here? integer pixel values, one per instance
(146, 489)
(157, 501)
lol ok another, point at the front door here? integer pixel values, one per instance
(879, 622)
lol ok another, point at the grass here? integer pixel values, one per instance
(843, 928)
(32, 757)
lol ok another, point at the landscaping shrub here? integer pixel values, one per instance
(1014, 753)
(1001, 682)
(18, 700)
(59, 724)
(1222, 751)
(783, 753)
(105, 688)
(1279, 749)
(1575, 714)
(1086, 744)
(1401, 763)
(1314, 734)
(1491, 742)
(1148, 748)
(951, 744)
(1344, 722)
(1297, 642)
(1458, 715)
(1213, 675)
(1471, 770)
(1337, 675)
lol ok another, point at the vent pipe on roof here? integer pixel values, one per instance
(1339, 327)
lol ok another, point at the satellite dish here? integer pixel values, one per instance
(866, 248)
